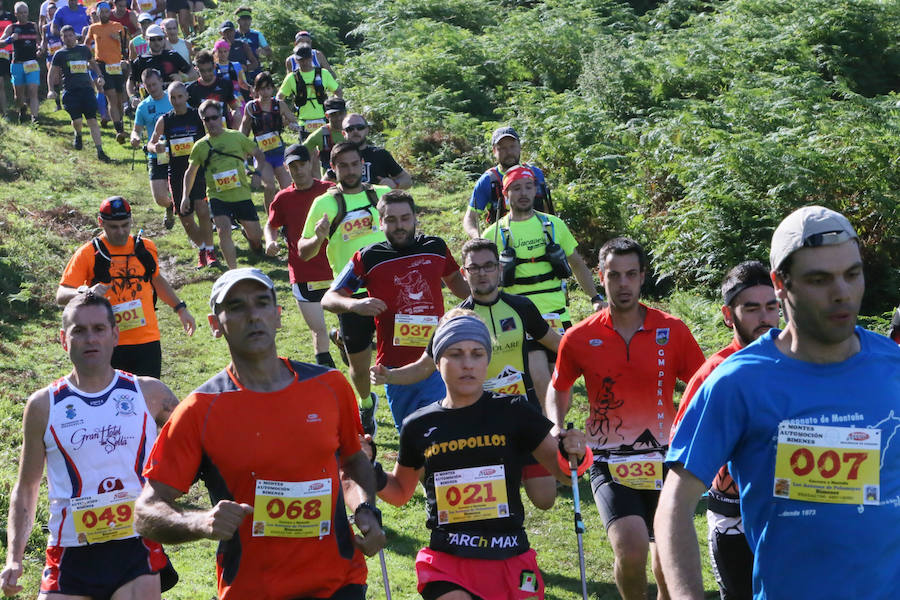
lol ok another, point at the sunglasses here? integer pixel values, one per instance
(209, 118)
(355, 127)
(155, 39)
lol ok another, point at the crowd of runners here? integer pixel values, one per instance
(788, 431)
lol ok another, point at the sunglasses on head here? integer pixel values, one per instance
(355, 127)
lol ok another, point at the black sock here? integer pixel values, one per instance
(324, 359)
(118, 126)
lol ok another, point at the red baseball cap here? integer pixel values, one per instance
(115, 208)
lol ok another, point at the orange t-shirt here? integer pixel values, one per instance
(106, 41)
(130, 295)
(240, 442)
(629, 386)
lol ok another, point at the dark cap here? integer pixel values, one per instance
(333, 105)
(296, 152)
(502, 132)
(226, 26)
(115, 208)
(303, 51)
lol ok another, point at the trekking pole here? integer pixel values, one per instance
(132, 157)
(579, 523)
(384, 575)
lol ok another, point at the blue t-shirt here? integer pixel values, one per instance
(482, 197)
(802, 548)
(148, 111)
(77, 18)
(253, 37)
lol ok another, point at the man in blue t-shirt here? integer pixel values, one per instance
(808, 418)
(71, 14)
(486, 203)
(150, 109)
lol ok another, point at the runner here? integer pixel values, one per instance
(475, 443)
(347, 219)
(266, 117)
(89, 476)
(378, 164)
(212, 86)
(50, 43)
(253, 38)
(125, 269)
(750, 309)
(309, 278)
(181, 10)
(403, 275)
(309, 87)
(180, 45)
(238, 51)
(537, 255)
(233, 71)
(127, 18)
(148, 112)
(139, 44)
(806, 420)
(276, 553)
(512, 320)
(110, 50)
(322, 140)
(70, 67)
(6, 19)
(221, 154)
(177, 132)
(170, 64)
(73, 14)
(26, 72)
(292, 62)
(487, 203)
(630, 356)
(154, 8)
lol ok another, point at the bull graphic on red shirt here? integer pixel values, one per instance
(413, 293)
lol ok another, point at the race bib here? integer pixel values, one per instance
(268, 141)
(312, 286)
(78, 66)
(147, 6)
(555, 322)
(162, 158)
(30, 66)
(103, 517)
(227, 180)
(472, 494)
(354, 227)
(413, 330)
(820, 463)
(638, 471)
(295, 509)
(509, 382)
(4, 54)
(52, 48)
(114, 69)
(182, 146)
(129, 315)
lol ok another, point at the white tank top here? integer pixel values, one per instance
(181, 48)
(97, 445)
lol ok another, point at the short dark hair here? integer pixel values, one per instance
(151, 73)
(396, 197)
(204, 57)
(263, 79)
(87, 299)
(66, 28)
(749, 273)
(620, 246)
(474, 245)
(342, 147)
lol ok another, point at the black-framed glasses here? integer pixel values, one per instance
(355, 127)
(485, 268)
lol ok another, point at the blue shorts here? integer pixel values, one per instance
(275, 157)
(20, 77)
(98, 570)
(406, 399)
(80, 101)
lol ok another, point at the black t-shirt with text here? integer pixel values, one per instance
(473, 460)
(378, 163)
(166, 62)
(179, 129)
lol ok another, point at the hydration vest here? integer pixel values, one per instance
(497, 208)
(553, 254)
(371, 196)
(265, 121)
(103, 260)
(301, 95)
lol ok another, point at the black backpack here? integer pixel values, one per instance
(301, 96)
(371, 196)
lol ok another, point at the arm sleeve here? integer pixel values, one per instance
(532, 427)
(262, 40)
(393, 168)
(328, 81)
(247, 145)
(535, 325)
(564, 237)
(287, 88)
(319, 207)
(567, 368)
(199, 153)
(352, 276)
(181, 64)
(176, 455)
(151, 247)
(57, 60)
(409, 456)
(275, 212)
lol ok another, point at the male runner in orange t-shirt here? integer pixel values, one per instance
(109, 41)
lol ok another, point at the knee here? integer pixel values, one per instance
(631, 560)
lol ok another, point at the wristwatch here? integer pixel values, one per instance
(179, 306)
(371, 507)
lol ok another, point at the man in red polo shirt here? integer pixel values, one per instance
(309, 278)
(630, 356)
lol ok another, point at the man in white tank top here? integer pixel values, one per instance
(175, 43)
(95, 428)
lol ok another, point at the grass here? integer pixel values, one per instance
(49, 197)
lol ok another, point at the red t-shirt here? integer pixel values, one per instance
(408, 280)
(289, 210)
(629, 386)
(237, 440)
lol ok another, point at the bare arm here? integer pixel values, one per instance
(158, 518)
(246, 123)
(289, 120)
(574, 442)
(271, 236)
(189, 176)
(64, 293)
(470, 223)
(359, 480)
(160, 399)
(340, 301)
(405, 375)
(557, 406)
(53, 76)
(583, 275)
(551, 340)
(167, 294)
(154, 137)
(458, 285)
(23, 501)
(401, 485)
(676, 538)
(309, 247)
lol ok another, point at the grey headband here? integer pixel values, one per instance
(458, 329)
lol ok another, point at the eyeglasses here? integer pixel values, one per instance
(485, 268)
(355, 127)
(209, 118)
(155, 39)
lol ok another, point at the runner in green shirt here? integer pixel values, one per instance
(310, 97)
(322, 140)
(222, 153)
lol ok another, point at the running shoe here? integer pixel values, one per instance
(102, 157)
(121, 137)
(202, 258)
(212, 259)
(335, 336)
(367, 416)
(76, 142)
(169, 220)
(23, 115)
